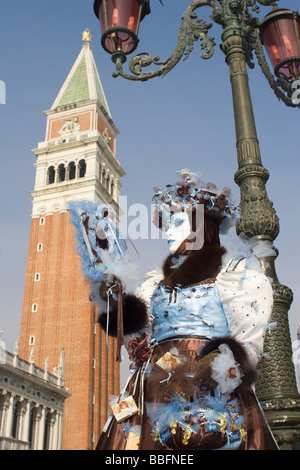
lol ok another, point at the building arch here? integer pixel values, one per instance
(51, 175)
(112, 187)
(103, 176)
(81, 168)
(71, 171)
(107, 181)
(56, 207)
(41, 212)
(61, 173)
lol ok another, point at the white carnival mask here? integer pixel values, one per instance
(179, 229)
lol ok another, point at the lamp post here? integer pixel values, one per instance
(243, 35)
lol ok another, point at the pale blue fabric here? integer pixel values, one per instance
(192, 311)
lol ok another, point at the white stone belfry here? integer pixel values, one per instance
(77, 159)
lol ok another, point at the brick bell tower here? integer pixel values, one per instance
(76, 161)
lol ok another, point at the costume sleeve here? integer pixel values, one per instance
(247, 299)
(145, 290)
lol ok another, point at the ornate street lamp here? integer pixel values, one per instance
(120, 22)
(243, 36)
(280, 34)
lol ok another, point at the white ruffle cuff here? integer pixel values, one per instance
(220, 367)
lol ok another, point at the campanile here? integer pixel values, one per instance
(76, 161)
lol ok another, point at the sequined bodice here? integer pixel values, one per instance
(191, 311)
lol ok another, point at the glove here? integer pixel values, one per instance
(109, 286)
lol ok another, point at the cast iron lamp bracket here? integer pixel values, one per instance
(191, 30)
(235, 18)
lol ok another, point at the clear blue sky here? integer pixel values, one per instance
(183, 120)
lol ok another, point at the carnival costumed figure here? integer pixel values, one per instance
(197, 331)
(103, 252)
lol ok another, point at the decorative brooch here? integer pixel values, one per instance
(138, 350)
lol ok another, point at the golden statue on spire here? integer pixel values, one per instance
(86, 36)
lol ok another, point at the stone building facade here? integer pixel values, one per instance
(31, 404)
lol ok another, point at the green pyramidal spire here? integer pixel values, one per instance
(83, 82)
(78, 88)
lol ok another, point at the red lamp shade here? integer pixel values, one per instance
(119, 21)
(280, 34)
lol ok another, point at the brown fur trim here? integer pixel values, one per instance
(202, 371)
(240, 355)
(198, 266)
(134, 312)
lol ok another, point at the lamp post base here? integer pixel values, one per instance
(277, 386)
(284, 421)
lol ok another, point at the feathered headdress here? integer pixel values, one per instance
(189, 192)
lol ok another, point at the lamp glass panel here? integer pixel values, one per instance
(120, 13)
(280, 40)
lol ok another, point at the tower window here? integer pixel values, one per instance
(42, 221)
(51, 175)
(72, 171)
(61, 173)
(37, 277)
(40, 247)
(107, 183)
(82, 168)
(34, 307)
(31, 340)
